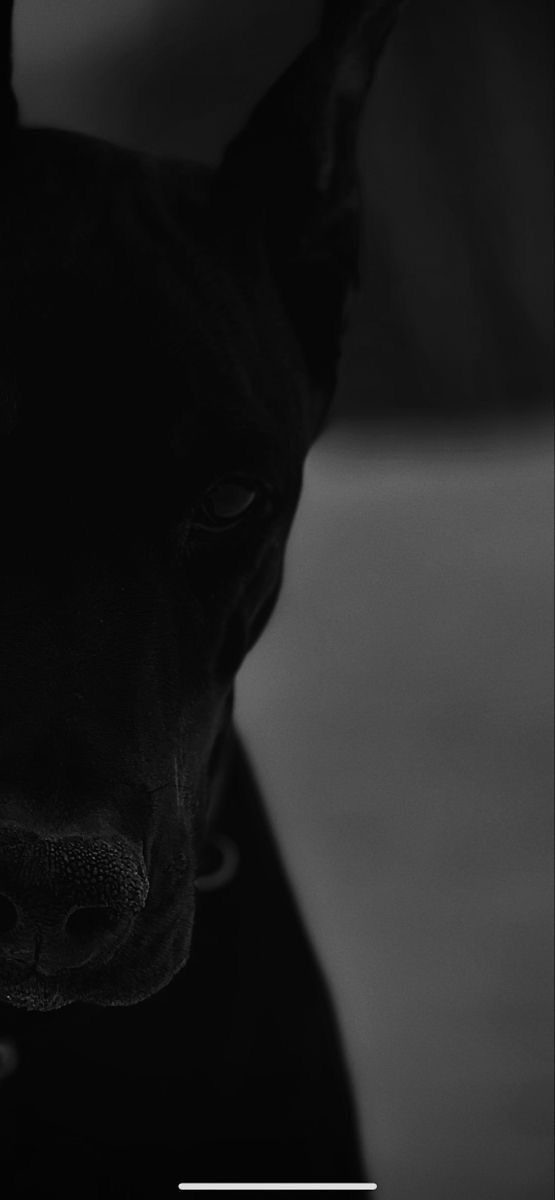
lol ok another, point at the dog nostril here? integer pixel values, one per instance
(92, 921)
(8, 915)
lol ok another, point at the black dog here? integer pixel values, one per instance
(170, 337)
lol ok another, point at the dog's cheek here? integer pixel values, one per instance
(252, 609)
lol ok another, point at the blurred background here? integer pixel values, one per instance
(399, 707)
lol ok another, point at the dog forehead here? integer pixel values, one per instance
(119, 304)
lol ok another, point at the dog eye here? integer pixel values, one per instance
(226, 503)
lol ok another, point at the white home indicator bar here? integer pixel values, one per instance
(278, 1187)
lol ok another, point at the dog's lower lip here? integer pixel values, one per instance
(33, 990)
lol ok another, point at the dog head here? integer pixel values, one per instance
(170, 337)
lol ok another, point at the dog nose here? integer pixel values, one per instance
(66, 901)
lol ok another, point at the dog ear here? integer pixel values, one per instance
(291, 176)
(8, 104)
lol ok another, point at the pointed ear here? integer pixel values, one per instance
(8, 105)
(291, 176)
